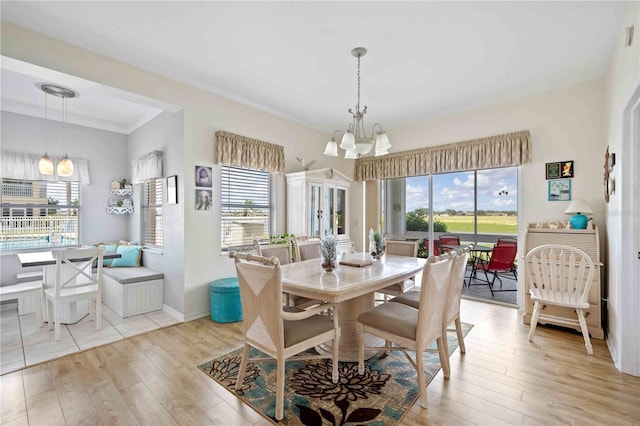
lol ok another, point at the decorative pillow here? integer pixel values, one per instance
(130, 256)
(111, 248)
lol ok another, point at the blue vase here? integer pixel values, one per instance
(579, 221)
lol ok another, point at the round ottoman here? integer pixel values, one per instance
(225, 300)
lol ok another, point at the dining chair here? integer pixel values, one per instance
(74, 281)
(560, 275)
(501, 261)
(448, 240)
(278, 247)
(307, 248)
(409, 328)
(454, 296)
(279, 331)
(400, 248)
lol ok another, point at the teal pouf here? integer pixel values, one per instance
(225, 300)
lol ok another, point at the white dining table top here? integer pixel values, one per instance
(307, 278)
(43, 258)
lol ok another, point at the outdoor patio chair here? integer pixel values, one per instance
(448, 240)
(279, 331)
(501, 261)
(562, 276)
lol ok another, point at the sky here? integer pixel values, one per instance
(497, 190)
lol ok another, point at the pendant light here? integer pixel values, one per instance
(65, 166)
(45, 165)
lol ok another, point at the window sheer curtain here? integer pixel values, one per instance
(24, 166)
(147, 166)
(507, 150)
(241, 151)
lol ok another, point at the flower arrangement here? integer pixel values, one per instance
(329, 248)
(377, 243)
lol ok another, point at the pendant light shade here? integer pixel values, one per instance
(45, 165)
(65, 166)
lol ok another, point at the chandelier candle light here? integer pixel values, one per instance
(45, 165)
(355, 140)
(578, 208)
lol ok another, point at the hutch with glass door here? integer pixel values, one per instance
(318, 204)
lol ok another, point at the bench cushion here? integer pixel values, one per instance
(127, 275)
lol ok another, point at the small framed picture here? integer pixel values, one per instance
(560, 190)
(203, 199)
(172, 189)
(559, 169)
(203, 176)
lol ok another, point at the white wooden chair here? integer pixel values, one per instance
(412, 329)
(454, 295)
(400, 248)
(278, 247)
(74, 281)
(560, 275)
(307, 248)
(279, 331)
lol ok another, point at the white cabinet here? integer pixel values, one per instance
(318, 203)
(586, 240)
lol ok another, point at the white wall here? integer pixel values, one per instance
(622, 80)
(203, 115)
(107, 155)
(164, 133)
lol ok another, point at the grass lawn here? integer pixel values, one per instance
(486, 224)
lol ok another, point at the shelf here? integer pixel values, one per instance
(120, 210)
(122, 191)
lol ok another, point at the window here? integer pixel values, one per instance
(152, 213)
(478, 205)
(37, 214)
(245, 207)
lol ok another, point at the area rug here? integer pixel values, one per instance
(380, 396)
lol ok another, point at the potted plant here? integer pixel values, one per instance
(329, 248)
(377, 243)
(123, 182)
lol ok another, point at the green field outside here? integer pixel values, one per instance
(486, 224)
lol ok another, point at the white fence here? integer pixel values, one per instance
(38, 231)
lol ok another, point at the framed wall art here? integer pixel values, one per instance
(560, 190)
(559, 169)
(203, 176)
(172, 189)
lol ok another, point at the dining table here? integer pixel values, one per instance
(71, 312)
(352, 288)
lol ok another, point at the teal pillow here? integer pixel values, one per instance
(111, 248)
(130, 256)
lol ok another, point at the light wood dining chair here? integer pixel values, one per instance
(307, 248)
(278, 247)
(74, 281)
(400, 248)
(560, 275)
(454, 296)
(409, 328)
(276, 330)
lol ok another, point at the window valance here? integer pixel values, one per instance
(511, 149)
(236, 150)
(147, 166)
(24, 166)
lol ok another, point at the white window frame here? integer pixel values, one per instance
(152, 239)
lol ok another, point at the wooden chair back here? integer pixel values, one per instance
(456, 282)
(559, 274)
(433, 299)
(307, 249)
(260, 283)
(278, 247)
(73, 271)
(402, 248)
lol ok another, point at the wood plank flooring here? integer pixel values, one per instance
(502, 379)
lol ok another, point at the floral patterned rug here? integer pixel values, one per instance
(379, 396)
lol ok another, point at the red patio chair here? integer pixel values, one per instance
(510, 241)
(434, 250)
(502, 258)
(448, 240)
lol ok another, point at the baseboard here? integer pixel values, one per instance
(175, 314)
(197, 315)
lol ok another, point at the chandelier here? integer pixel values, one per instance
(65, 165)
(355, 140)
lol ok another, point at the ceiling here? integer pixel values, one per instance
(293, 59)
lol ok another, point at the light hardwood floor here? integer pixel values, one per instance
(502, 379)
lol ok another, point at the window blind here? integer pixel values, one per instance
(245, 207)
(152, 213)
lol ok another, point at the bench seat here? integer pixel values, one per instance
(132, 291)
